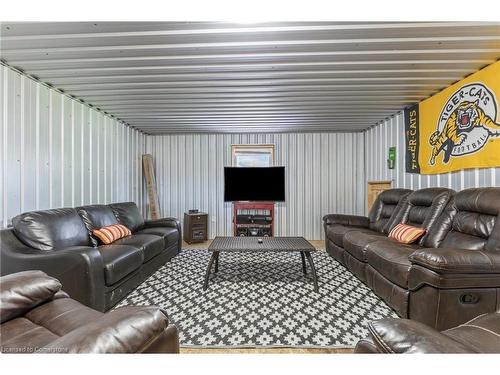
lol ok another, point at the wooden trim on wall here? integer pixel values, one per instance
(149, 176)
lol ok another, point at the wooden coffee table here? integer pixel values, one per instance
(266, 244)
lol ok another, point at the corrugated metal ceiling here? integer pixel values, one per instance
(217, 77)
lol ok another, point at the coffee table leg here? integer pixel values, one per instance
(313, 271)
(303, 262)
(216, 262)
(207, 275)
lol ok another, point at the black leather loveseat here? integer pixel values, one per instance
(59, 243)
(451, 275)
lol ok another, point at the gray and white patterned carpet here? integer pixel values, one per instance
(261, 299)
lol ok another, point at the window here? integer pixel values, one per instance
(252, 155)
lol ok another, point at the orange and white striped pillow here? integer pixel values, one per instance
(111, 233)
(406, 233)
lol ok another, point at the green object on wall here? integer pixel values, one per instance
(391, 161)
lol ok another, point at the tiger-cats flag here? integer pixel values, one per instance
(458, 128)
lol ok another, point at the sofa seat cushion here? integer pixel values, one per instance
(119, 261)
(129, 329)
(170, 235)
(20, 333)
(63, 315)
(356, 242)
(149, 244)
(390, 259)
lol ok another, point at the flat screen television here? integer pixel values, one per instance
(254, 184)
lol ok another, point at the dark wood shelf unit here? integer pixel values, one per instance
(263, 230)
(195, 227)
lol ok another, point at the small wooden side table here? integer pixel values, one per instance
(195, 227)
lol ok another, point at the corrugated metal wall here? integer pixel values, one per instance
(391, 133)
(324, 174)
(59, 152)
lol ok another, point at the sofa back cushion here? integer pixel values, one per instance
(421, 209)
(23, 291)
(97, 216)
(51, 229)
(128, 214)
(474, 220)
(385, 207)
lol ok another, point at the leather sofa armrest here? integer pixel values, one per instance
(170, 222)
(451, 260)
(163, 222)
(351, 220)
(409, 336)
(129, 329)
(366, 346)
(80, 270)
(22, 291)
(167, 342)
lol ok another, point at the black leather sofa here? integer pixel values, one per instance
(447, 278)
(59, 242)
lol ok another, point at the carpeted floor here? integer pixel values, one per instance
(261, 300)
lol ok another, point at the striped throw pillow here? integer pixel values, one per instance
(406, 233)
(111, 233)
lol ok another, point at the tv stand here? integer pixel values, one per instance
(253, 225)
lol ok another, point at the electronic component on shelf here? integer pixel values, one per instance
(257, 224)
(254, 219)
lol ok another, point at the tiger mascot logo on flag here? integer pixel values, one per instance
(466, 123)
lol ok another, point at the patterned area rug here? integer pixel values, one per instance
(261, 299)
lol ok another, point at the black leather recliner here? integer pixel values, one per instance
(383, 264)
(447, 278)
(38, 317)
(403, 336)
(59, 242)
(379, 221)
